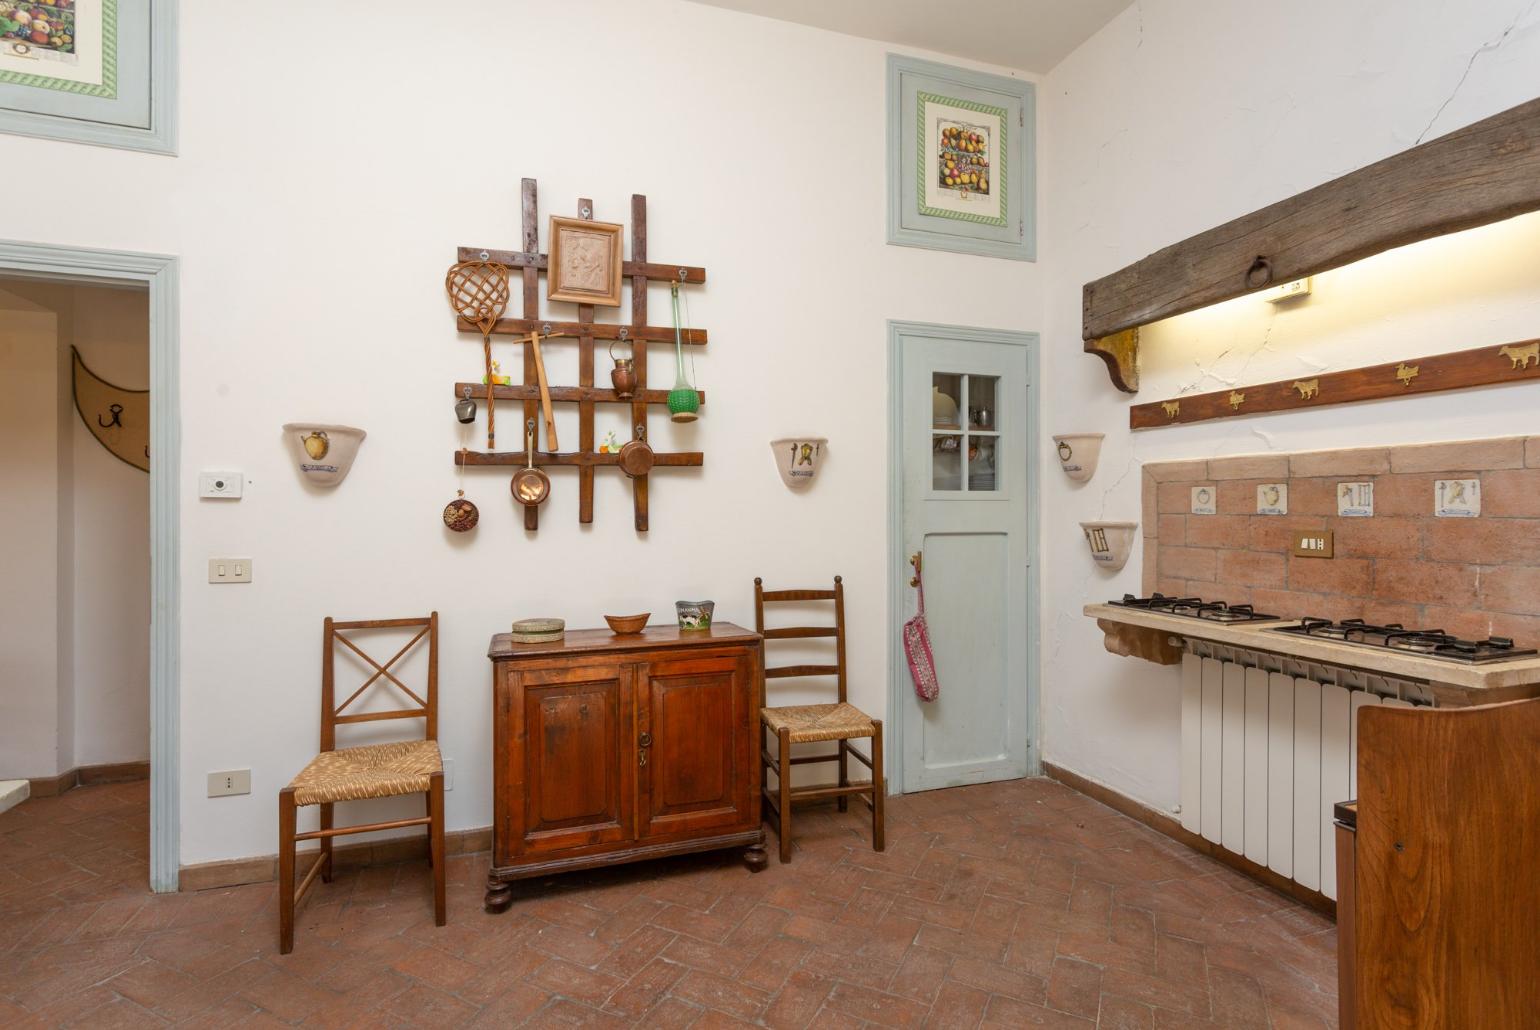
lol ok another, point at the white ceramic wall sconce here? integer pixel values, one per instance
(1078, 453)
(798, 459)
(324, 453)
(1110, 542)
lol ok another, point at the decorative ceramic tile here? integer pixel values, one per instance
(1273, 499)
(1457, 498)
(1355, 500)
(1204, 499)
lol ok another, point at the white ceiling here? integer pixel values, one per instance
(1031, 35)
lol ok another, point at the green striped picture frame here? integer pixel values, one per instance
(107, 88)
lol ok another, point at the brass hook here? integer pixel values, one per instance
(914, 559)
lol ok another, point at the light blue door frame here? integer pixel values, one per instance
(158, 274)
(981, 532)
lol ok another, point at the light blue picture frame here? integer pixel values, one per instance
(1013, 237)
(141, 113)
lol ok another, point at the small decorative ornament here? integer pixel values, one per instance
(1355, 500)
(1110, 542)
(1521, 355)
(1204, 500)
(461, 515)
(1273, 499)
(1307, 388)
(1457, 498)
(798, 459)
(694, 615)
(1078, 454)
(1171, 408)
(610, 444)
(465, 408)
(1406, 373)
(1236, 400)
(324, 453)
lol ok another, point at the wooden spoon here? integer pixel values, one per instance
(545, 394)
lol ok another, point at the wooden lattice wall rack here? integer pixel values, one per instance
(525, 266)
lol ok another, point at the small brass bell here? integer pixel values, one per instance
(465, 408)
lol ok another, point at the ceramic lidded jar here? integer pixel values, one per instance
(798, 459)
(324, 453)
(1078, 453)
(1110, 542)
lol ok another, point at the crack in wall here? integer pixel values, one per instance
(1490, 45)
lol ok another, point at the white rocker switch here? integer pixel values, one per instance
(229, 570)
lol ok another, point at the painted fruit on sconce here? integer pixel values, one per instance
(316, 445)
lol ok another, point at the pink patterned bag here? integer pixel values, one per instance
(922, 663)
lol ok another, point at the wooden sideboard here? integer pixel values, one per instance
(611, 749)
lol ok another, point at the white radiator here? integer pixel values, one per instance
(1265, 756)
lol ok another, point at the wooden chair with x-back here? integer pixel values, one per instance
(369, 771)
(840, 722)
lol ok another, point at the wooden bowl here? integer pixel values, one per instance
(626, 625)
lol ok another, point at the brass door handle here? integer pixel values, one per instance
(914, 560)
(641, 756)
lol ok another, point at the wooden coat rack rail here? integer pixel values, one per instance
(1483, 366)
(528, 263)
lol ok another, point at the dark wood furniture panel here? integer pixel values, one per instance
(611, 749)
(1445, 897)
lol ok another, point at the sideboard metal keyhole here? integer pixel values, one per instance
(646, 740)
(582, 709)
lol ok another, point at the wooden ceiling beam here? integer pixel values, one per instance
(1483, 173)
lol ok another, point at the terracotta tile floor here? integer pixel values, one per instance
(1005, 905)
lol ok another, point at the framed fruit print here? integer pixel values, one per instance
(961, 160)
(586, 260)
(90, 71)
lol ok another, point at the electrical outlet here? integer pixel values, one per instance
(449, 774)
(231, 781)
(221, 485)
(229, 570)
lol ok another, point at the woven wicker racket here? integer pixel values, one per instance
(478, 291)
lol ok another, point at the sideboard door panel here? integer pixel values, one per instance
(699, 770)
(568, 769)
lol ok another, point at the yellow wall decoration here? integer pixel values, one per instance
(118, 418)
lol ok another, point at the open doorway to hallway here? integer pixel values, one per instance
(74, 541)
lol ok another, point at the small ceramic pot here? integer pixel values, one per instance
(798, 459)
(324, 453)
(1078, 453)
(1110, 542)
(694, 615)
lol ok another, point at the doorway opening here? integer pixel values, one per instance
(88, 658)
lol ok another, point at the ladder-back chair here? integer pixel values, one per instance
(840, 722)
(369, 771)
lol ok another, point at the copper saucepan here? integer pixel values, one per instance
(530, 486)
(636, 457)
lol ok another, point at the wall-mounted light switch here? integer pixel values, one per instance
(231, 781)
(221, 485)
(229, 570)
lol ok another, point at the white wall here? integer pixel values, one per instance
(315, 211)
(1179, 116)
(75, 536)
(29, 540)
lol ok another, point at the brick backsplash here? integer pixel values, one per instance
(1473, 577)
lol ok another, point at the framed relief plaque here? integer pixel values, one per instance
(586, 259)
(960, 160)
(90, 71)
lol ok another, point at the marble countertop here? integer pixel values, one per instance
(1499, 677)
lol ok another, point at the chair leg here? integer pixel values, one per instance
(879, 788)
(326, 845)
(785, 789)
(436, 845)
(844, 752)
(286, 831)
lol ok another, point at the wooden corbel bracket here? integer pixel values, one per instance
(1152, 645)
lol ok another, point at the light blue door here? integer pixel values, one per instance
(964, 428)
